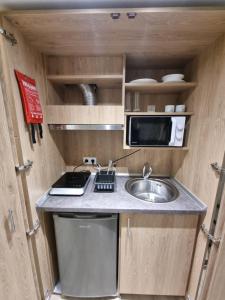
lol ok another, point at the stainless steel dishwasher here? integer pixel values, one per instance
(87, 253)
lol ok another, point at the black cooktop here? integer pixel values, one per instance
(72, 180)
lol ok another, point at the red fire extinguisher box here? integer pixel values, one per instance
(31, 103)
(30, 99)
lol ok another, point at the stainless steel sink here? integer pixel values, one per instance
(152, 190)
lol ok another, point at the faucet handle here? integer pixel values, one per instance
(147, 171)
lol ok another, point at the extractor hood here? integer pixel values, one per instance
(85, 126)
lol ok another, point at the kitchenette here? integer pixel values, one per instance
(112, 153)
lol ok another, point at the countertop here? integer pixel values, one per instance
(121, 201)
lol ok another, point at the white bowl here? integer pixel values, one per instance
(143, 80)
(173, 77)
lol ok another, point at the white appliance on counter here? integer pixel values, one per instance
(155, 131)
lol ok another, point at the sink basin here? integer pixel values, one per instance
(152, 190)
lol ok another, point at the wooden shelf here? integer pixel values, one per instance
(110, 80)
(160, 87)
(132, 113)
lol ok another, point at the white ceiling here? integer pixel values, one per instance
(64, 4)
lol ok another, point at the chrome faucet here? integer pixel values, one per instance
(147, 171)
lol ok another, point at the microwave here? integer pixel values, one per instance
(155, 131)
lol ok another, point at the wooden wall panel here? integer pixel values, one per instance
(80, 65)
(48, 163)
(105, 96)
(207, 138)
(107, 145)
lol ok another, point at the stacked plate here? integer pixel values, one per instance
(166, 78)
(173, 78)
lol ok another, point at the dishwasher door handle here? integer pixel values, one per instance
(80, 216)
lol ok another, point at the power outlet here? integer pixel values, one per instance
(89, 160)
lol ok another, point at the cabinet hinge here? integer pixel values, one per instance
(47, 295)
(217, 168)
(9, 36)
(32, 231)
(210, 237)
(25, 166)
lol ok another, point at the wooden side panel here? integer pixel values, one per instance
(156, 253)
(206, 138)
(48, 163)
(16, 277)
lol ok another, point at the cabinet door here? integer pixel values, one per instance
(156, 253)
(48, 163)
(16, 276)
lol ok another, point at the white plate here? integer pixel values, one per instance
(143, 80)
(173, 77)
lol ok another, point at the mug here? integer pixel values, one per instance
(180, 108)
(169, 108)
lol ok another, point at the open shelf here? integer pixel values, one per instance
(160, 87)
(109, 80)
(149, 113)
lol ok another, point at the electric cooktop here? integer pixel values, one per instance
(71, 183)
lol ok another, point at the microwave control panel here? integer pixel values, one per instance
(177, 134)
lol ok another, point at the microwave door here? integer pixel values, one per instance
(149, 131)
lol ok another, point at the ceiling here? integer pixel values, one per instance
(64, 4)
(161, 36)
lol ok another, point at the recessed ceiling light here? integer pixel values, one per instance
(115, 16)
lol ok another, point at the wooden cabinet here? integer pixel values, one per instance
(65, 102)
(155, 253)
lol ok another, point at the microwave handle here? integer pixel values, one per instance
(173, 132)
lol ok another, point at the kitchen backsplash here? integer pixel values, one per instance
(106, 145)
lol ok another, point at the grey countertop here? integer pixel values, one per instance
(120, 201)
